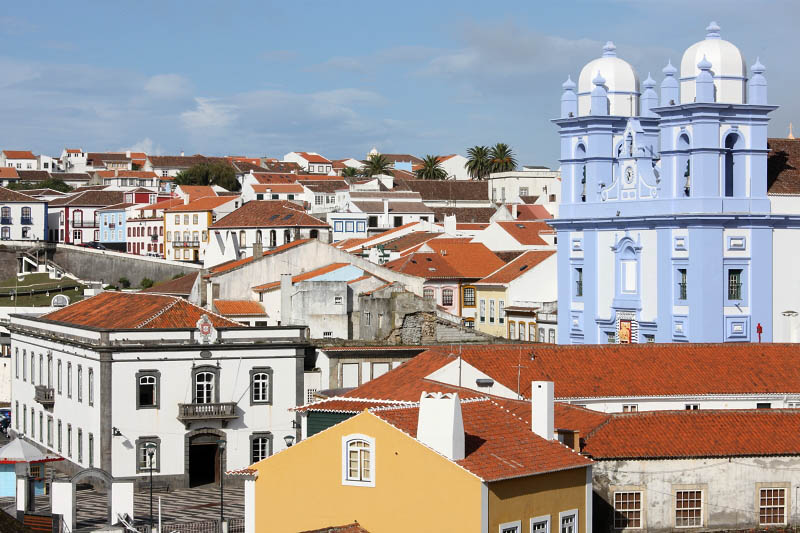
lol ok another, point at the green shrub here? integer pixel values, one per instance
(147, 283)
(124, 282)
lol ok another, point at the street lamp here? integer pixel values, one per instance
(289, 440)
(221, 445)
(150, 450)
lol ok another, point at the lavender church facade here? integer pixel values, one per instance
(665, 230)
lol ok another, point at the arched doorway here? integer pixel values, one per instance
(204, 458)
(82, 517)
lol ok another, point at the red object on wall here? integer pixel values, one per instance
(759, 330)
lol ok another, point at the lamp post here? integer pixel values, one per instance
(221, 444)
(289, 440)
(150, 450)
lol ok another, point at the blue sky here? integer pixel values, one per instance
(338, 77)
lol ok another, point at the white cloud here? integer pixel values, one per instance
(167, 86)
(145, 145)
(210, 114)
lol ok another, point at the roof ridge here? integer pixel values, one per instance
(161, 312)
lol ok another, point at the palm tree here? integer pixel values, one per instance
(377, 164)
(431, 169)
(350, 172)
(478, 162)
(502, 158)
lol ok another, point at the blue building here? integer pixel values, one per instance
(113, 221)
(665, 230)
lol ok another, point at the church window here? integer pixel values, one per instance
(735, 284)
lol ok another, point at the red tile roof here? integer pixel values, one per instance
(313, 158)
(224, 267)
(197, 191)
(90, 198)
(348, 405)
(119, 310)
(163, 204)
(428, 265)
(526, 232)
(268, 214)
(278, 188)
(207, 203)
(783, 166)
(239, 308)
(302, 277)
(18, 154)
(73, 150)
(499, 445)
(471, 259)
(355, 527)
(7, 195)
(181, 286)
(8, 173)
(126, 174)
(271, 177)
(532, 212)
(694, 434)
(519, 266)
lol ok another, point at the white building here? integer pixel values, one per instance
(19, 159)
(187, 225)
(101, 380)
(76, 218)
(519, 185)
(455, 165)
(22, 217)
(312, 162)
(74, 160)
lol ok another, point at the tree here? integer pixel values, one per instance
(431, 169)
(52, 183)
(478, 162)
(377, 164)
(502, 158)
(350, 172)
(213, 173)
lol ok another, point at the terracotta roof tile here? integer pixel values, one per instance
(700, 433)
(93, 198)
(329, 186)
(197, 191)
(450, 189)
(499, 445)
(18, 154)
(239, 308)
(279, 188)
(281, 166)
(394, 207)
(783, 166)
(119, 310)
(313, 158)
(107, 156)
(533, 212)
(126, 174)
(519, 266)
(355, 527)
(181, 286)
(34, 175)
(162, 204)
(470, 259)
(268, 214)
(526, 232)
(7, 195)
(8, 173)
(428, 265)
(465, 214)
(207, 203)
(302, 277)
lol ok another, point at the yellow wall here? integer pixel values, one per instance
(415, 489)
(546, 494)
(494, 293)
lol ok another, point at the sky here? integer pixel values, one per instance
(339, 77)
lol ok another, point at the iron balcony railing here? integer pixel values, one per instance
(682, 290)
(186, 244)
(5, 220)
(734, 290)
(44, 395)
(189, 412)
(26, 221)
(579, 287)
(82, 224)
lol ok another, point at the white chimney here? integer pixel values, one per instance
(128, 154)
(542, 408)
(450, 224)
(514, 211)
(386, 212)
(286, 299)
(182, 154)
(440, 425)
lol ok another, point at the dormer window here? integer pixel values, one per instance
(358, 460)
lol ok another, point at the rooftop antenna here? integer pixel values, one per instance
(520, 366)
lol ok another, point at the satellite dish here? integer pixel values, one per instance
(59, 300)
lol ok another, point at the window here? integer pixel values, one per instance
(91, 386)
(447, 297)
(41, 426)
(260, 446)
(242, 239)
(80, 445)
(540, 524)
(148, 454)
(469, 297)
(358, 460)
(33, 369)
(261, 385)
(427, 293)
(772, 506)
(50, 431)
(367, 319)
(16, 363)
(522, 331)
(523, 191)
(512, 330)
(177, 219)
(469, 323)
(59, 436)
(764, 405)
(16, 415)
(329, 334)
(91, 450)
(24, 366)
(194, 219)
(147, 395)
(689, 508)
(501, 312)
(735, 284)
(692, 406)
(682, 294)
(338, 300)
(69, 440)
(628, 510)
(318, 199)
(80, 383)
(511, 527)
(204, 387)
(579, 282)
(569, 521)
(491, 311)
(483, 311)
(649, 338)
(630, 408)
(24, 418)
(185, 220)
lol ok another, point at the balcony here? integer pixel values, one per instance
(5, 220)
(112, 225)
(203, 412)
(82, 224)
(186, 244)
(44, 395)
(26, 221)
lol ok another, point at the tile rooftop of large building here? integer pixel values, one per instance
(181, 286)
(516, 268)
(268, 214)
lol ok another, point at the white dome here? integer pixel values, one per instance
(727, 67)
(622, 83)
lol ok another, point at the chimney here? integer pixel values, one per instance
(128, 154)
(514, 211)
(186, 199)
(286, 299)
(542, 408)
(258, 249)
(450, 224)
(182, 154)
(386, 212)
(440, 425)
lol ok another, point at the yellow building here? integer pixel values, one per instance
(508, 297)
(186, 226)
(441, 464)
